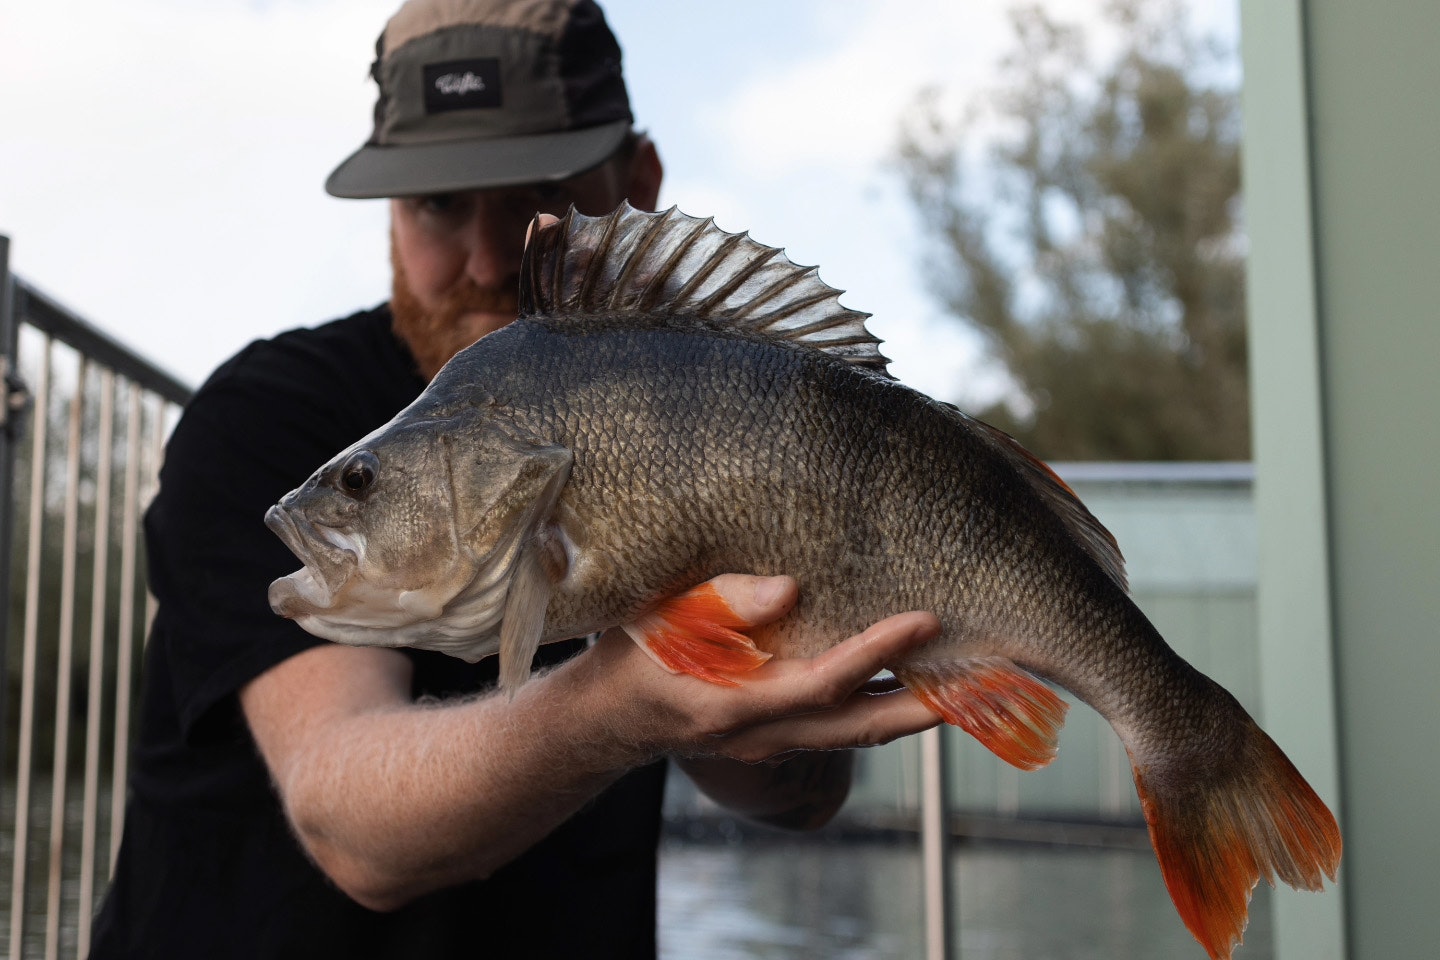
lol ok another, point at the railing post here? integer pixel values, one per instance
(937, 868)
(12, 407)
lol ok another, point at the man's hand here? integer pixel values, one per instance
(773, 748)
(820, 703)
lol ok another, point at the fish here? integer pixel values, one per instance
(674, 402)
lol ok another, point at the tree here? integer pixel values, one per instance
(1086, 223)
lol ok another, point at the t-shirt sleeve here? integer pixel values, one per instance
(257, 430)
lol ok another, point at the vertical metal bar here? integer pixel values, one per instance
(124, 658)
(152, 483)
(9, 437)
(27, 670)
(935, 845)
(98, 588)
(69, 545)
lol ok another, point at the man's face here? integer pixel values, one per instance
(456, 256)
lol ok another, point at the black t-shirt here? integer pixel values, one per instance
(208, 866)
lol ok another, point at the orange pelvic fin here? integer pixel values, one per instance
(1012, 713)
(1216, 836)
(694, 633)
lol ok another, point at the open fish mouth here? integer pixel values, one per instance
(334, 596)
(329, 559)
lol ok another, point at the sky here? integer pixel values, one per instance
(162, 161)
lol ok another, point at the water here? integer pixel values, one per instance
(861, 901)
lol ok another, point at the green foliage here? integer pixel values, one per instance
(1085, 220)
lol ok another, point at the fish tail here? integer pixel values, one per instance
(1216, 833)
(1008, 710)
(694, 632)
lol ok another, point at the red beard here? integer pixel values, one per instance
(464, 316)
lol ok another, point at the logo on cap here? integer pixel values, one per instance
(462, 85)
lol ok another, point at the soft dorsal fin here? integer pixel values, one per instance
(687, 270)
(1089, 532)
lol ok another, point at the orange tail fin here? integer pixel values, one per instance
(694, 633)
(1216, 836)
(1013, 714)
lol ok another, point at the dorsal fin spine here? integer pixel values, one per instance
(799, 305)
(722, 294)
(633, 262)
(656, 290)
(777, 287)
(711, 265)
(529, 279)
(637, 257)
(602, 250)
(854, 341)
(557, 270)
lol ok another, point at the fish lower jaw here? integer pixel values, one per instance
(300, 594)
(458, 614)
(371, 615)
(352, 600)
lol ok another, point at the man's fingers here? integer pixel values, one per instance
(827, 689)
(757, 600)
(865, 720)
(817, 703)
(853, 662)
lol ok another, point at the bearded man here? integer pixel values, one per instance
(291, 797)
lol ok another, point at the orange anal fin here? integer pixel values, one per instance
(1216, 838)
(1012, 713)
(695, 633)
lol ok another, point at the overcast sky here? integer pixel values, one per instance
(162, 161)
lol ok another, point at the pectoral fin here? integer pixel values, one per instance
(524, 623)
(504, 485)
(695, 633)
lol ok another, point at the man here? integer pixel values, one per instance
(292, 797)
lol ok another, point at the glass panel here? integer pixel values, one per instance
(1058, 862)
(731, 890)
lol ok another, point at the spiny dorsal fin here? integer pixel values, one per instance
(687, 270)
(1089, 532)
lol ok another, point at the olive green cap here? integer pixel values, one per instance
(488, 93)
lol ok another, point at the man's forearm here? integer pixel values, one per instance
(401, 800)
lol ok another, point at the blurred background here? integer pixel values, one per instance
(1041, 204)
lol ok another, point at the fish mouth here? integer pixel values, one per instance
(332, 597)
(329, 559)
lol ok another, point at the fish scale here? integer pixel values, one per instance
(675, 402)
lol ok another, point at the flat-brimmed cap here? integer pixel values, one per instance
(488, 93)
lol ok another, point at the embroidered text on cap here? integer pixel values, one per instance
(462, 85)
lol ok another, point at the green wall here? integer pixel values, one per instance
(1343, 205)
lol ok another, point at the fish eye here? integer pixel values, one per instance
(358, 473)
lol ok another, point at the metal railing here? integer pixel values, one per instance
(84, 420)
